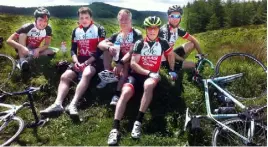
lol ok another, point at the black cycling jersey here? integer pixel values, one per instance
(125, 45)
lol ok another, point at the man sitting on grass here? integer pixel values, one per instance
(28, 38)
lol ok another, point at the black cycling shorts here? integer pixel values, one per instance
(136, 81)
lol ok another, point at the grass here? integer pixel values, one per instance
(164, 120)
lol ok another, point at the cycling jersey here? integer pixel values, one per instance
(151, 53)
(86, 40)
(125, 45)
(172, 37)
(34, 35)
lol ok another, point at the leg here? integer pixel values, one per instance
(22, 40)
(107, 60)
(127, 93)
(188, 48)
(148, 87)
(82, 86)
(64, 85)
(120, 83)
(123, 77)
(63, 89)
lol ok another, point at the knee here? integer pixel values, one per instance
(190, 45)
(149, 85)
(88, 72)
(126, 93)
(22, 38)
(64, 77)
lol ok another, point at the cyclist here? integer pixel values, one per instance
(171, 32)
(28, 38)
(126, 37)
(85, 55)
(145, 64)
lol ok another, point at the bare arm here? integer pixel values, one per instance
(11, 41)
(179, 58)
(171, 60)
(75, 60)
(135, 66)
(195, 42)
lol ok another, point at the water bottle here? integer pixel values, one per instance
(63, 47)
(117, 47)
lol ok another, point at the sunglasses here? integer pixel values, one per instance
(175, 16)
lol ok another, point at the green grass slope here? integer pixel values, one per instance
(164, 120)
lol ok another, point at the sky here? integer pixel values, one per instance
(153, 5)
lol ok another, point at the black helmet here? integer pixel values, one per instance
(41, 12)
(152, 21)
(175, 8)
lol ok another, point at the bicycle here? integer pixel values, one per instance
(251, 129)
(11, 126)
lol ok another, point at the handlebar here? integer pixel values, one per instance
(203, 60)
(28, 90)
(200, 56)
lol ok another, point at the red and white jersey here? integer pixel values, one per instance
(151, 53)
(87, 40)
(34, 35)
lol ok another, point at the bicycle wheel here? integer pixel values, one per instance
(223, 137)
(252, 84)
(10, 129)
(7, 67)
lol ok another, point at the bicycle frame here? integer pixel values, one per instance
(213, 82)
(214, 117)
(13, 108)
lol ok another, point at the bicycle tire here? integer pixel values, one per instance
(222, 133)
(254, 75)
(16, 119)
(8, 65)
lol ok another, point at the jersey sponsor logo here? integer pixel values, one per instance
(151, 56)
(35, 37)
(126, 45)
(155, 50)
(173, 37)
(87, 41)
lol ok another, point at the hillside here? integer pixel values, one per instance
(100, 10)
(164, 120)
